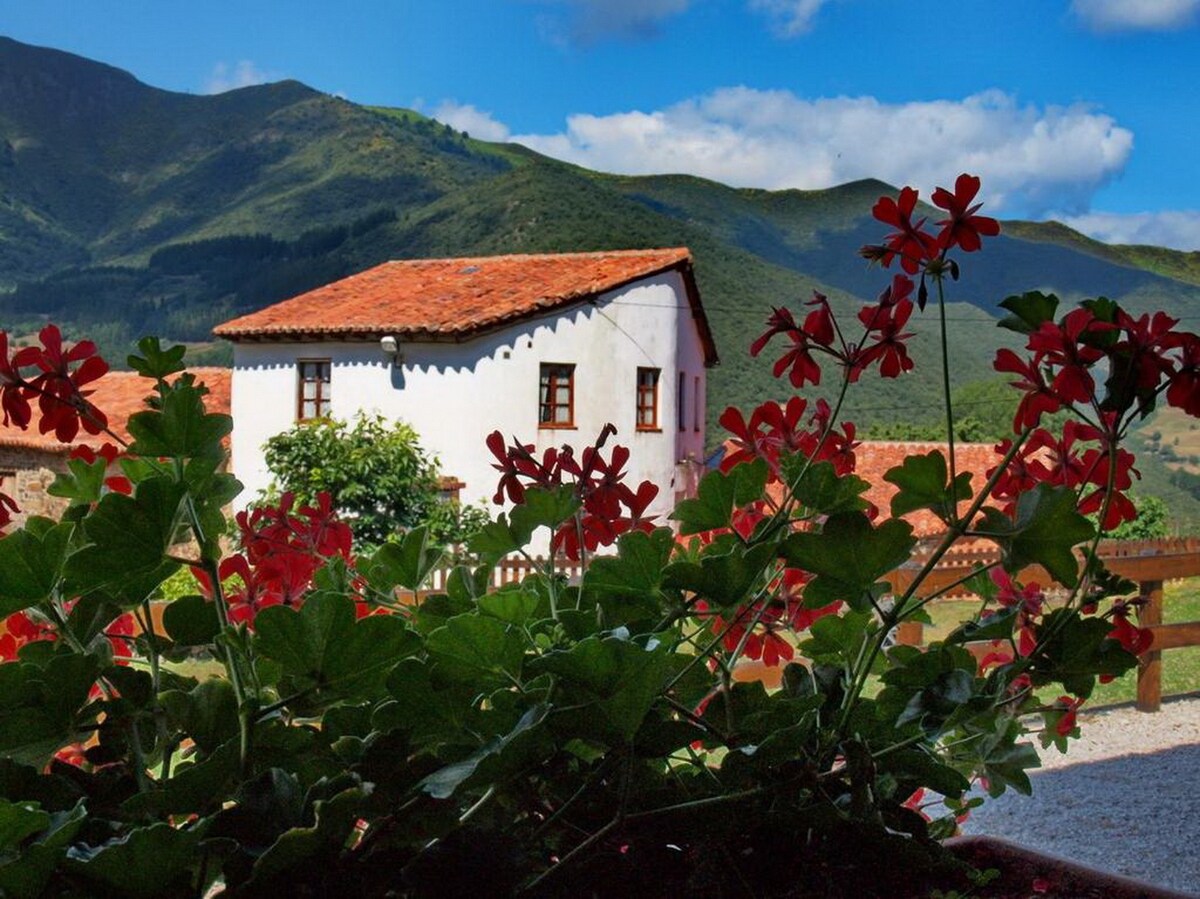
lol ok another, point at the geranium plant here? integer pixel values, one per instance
(315, 723)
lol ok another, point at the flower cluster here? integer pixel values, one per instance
(1141, 358)
(56, 378)
(919, 249)
(608, 506)
(281, 551)
(777, 430)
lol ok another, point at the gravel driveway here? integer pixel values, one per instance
(1125, 798)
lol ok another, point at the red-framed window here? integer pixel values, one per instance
(647, 399)
(556, 395)
(313, 394)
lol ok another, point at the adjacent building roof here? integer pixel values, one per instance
(118, 395)
(455, 299)
(873, 459)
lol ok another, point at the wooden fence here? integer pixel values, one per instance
(1147, 562)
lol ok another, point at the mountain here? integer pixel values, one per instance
(125, 209)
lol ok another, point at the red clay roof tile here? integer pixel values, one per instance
(118, 395)
(456, 298)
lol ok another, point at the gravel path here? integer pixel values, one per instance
(1125, 798)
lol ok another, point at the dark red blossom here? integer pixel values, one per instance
(14, 390)
(1134, 640)
(1062, 347)
(908, 241)
(963, 228)
(61, 397)
(1184, 390)
(1038, 400)
(888, 347)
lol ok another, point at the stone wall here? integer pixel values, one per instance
(26, 475)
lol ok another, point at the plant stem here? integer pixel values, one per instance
(953, 507)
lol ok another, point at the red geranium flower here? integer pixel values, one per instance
(909, 242)
(963, 227)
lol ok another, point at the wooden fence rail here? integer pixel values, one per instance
(1147, 562)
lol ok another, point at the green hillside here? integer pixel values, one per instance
(127, 210)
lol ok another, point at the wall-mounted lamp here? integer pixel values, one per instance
(390, 347)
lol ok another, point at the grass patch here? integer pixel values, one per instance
(1181, 667)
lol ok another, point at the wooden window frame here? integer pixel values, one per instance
(647, 398)
(681, 402)
(554, 370)
(323, 398)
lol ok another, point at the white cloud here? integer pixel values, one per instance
(1137, 15)
(1179, 230)
(476, 122)
(1031, 159)
(791, 17)
(225, 77)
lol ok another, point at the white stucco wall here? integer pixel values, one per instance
(455, 394)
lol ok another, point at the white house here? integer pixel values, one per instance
(545, 348)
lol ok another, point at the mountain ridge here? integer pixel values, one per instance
(126, 209)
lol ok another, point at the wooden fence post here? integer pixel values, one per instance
(1149, 683)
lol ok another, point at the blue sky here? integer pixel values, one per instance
(1082, 110)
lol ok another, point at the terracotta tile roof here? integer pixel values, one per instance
(874, 459)
(118, 394)
(452, 299)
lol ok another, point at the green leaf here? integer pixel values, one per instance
(628, 586)
(81, 483)
(322, 645)
(19, 820)
(923, 483)
(191, 620)
(470, 646)
(512, 604)
(212, 713)
(542, 508)
(718, 495)
(997, 626)
(155, 362)
(837, 639)
(404, 564)
(1046, 530)
(180, 427)
(821, 490)
(25, 871)
(722, 578)
(334, 819)
(1029, 311)
(31, 562)
(619, 677)
(130, 536)
(443, 783)
(147, 861)
(39, 705)
(848, 556)
(420, 710)
(1077, 650)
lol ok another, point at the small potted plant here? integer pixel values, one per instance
(555, 738)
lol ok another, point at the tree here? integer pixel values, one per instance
(382, 481)
(1150, 524)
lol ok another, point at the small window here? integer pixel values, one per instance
(647, 399)
(313, 393)
(681, 402)
(696, 404)
(556, 396)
